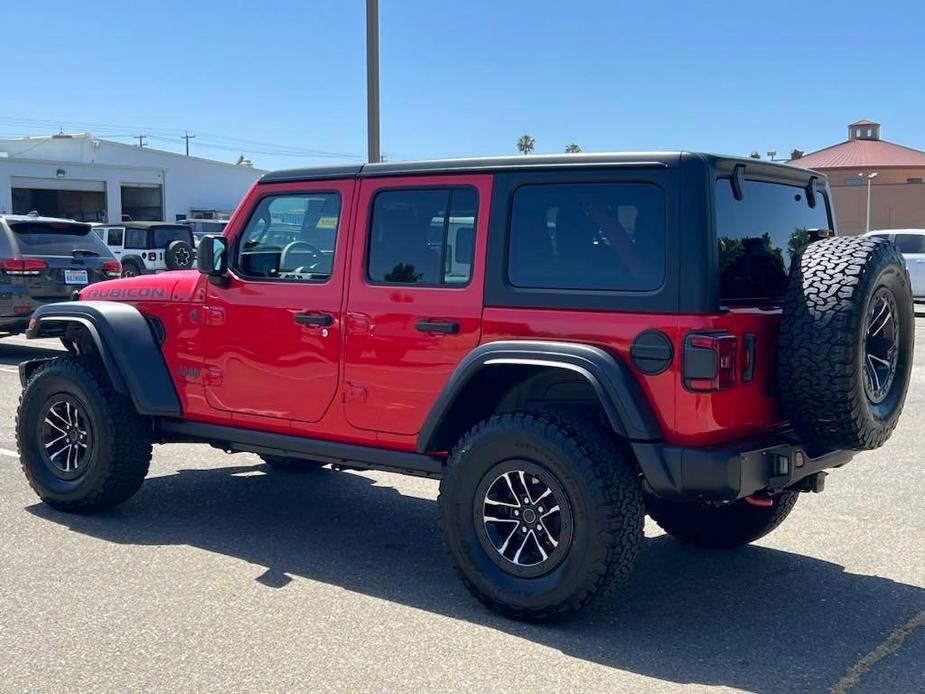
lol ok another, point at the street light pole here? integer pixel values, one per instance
(870, 177)
(372, 80)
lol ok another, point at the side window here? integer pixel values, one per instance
(592, 236)
(424, 236)
(290, 237)
(114, 236)
(136, 238)
(910, 243)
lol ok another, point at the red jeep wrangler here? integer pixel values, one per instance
(566, 342)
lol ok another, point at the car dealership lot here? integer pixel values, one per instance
(221, 575)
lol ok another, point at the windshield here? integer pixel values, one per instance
(759, 235)
(54, 238)
(164, 235)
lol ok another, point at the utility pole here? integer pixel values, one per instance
(187, 137)
(141, 140)
(372, 80)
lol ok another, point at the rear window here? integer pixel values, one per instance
(164, 235)
(591, 236)
(54, 238)
(910, 243)
(759, 236)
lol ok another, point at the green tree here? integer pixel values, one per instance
(572, 149)
(525, 144)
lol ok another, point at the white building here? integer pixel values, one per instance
(95, 180)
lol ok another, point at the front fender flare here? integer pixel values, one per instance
(626, 407)
(126, 345)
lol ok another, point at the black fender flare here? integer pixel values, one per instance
(127, 347)
(627, 409)
(135, 259)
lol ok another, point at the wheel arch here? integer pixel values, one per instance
(505, 374)
(125, 344)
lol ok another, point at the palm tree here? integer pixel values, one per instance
(525, 144)
(572, 149)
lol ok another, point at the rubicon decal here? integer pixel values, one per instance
(132, 293)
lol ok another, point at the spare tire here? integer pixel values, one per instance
(178, 255)
(844, 352)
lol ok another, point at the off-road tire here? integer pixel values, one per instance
(121, 445)
(598, 475)
(732, 525)
(130, 268)
(821, 343)
(178, 255)
(279, 462)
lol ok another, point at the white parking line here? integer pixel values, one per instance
(9, 370)
(8, 452)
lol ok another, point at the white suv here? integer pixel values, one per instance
(911, 243)
(145, 248)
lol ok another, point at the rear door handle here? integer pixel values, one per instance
(438, 326)
(313, 318)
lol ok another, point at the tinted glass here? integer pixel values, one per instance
(910, 243)
(424, 236)
(136, 238)
(760, 235)
(164, 235)
(290, 237)
(114, 237)
(598, 236)
(54, 238)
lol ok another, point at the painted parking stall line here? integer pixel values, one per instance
(7, 452)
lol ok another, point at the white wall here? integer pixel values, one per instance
(187, 181)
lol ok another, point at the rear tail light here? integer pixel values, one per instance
(112, 268)
(22, 266)
(709, 361)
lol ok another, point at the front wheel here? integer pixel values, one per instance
(82, 446)
(539, 513)
(732, 525)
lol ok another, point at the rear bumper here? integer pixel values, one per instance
(732, 471)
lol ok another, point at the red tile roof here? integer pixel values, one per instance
(862, 154)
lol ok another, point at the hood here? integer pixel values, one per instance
(176, 285)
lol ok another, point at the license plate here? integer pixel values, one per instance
(75, 277)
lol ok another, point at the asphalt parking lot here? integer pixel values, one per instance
(221, 575)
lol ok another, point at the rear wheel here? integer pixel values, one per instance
(82, 446)
(540, 513)
(731, 525)
(130, 269)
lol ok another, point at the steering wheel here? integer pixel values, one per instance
(299, 247)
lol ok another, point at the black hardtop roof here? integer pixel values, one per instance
(144, 225)
(520, 162)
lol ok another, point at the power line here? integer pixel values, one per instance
(187, 137)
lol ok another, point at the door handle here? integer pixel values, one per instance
(313, 318)
(438, 326)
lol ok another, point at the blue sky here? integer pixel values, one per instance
(282, 81)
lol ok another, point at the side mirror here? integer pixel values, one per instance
(212, 256)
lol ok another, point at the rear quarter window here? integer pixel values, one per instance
(759, 236)
(910, 243)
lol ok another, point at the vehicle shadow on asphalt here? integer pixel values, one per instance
(11, 353)
(756, 618)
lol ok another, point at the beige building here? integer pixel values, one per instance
(896, 175)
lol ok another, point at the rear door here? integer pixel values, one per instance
(415, 295)
(912, 246)
(58, 257)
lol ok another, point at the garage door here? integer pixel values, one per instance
(60, 197)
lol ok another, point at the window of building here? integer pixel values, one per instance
(852, 181)
(910, 243)
(760, 235)
(422, 236)
(915, 179)
(290, 237)
(594, 236)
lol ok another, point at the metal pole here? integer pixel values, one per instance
(372, 79)
(868, 205)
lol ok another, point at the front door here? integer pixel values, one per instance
(273, 333)
(415, 295)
